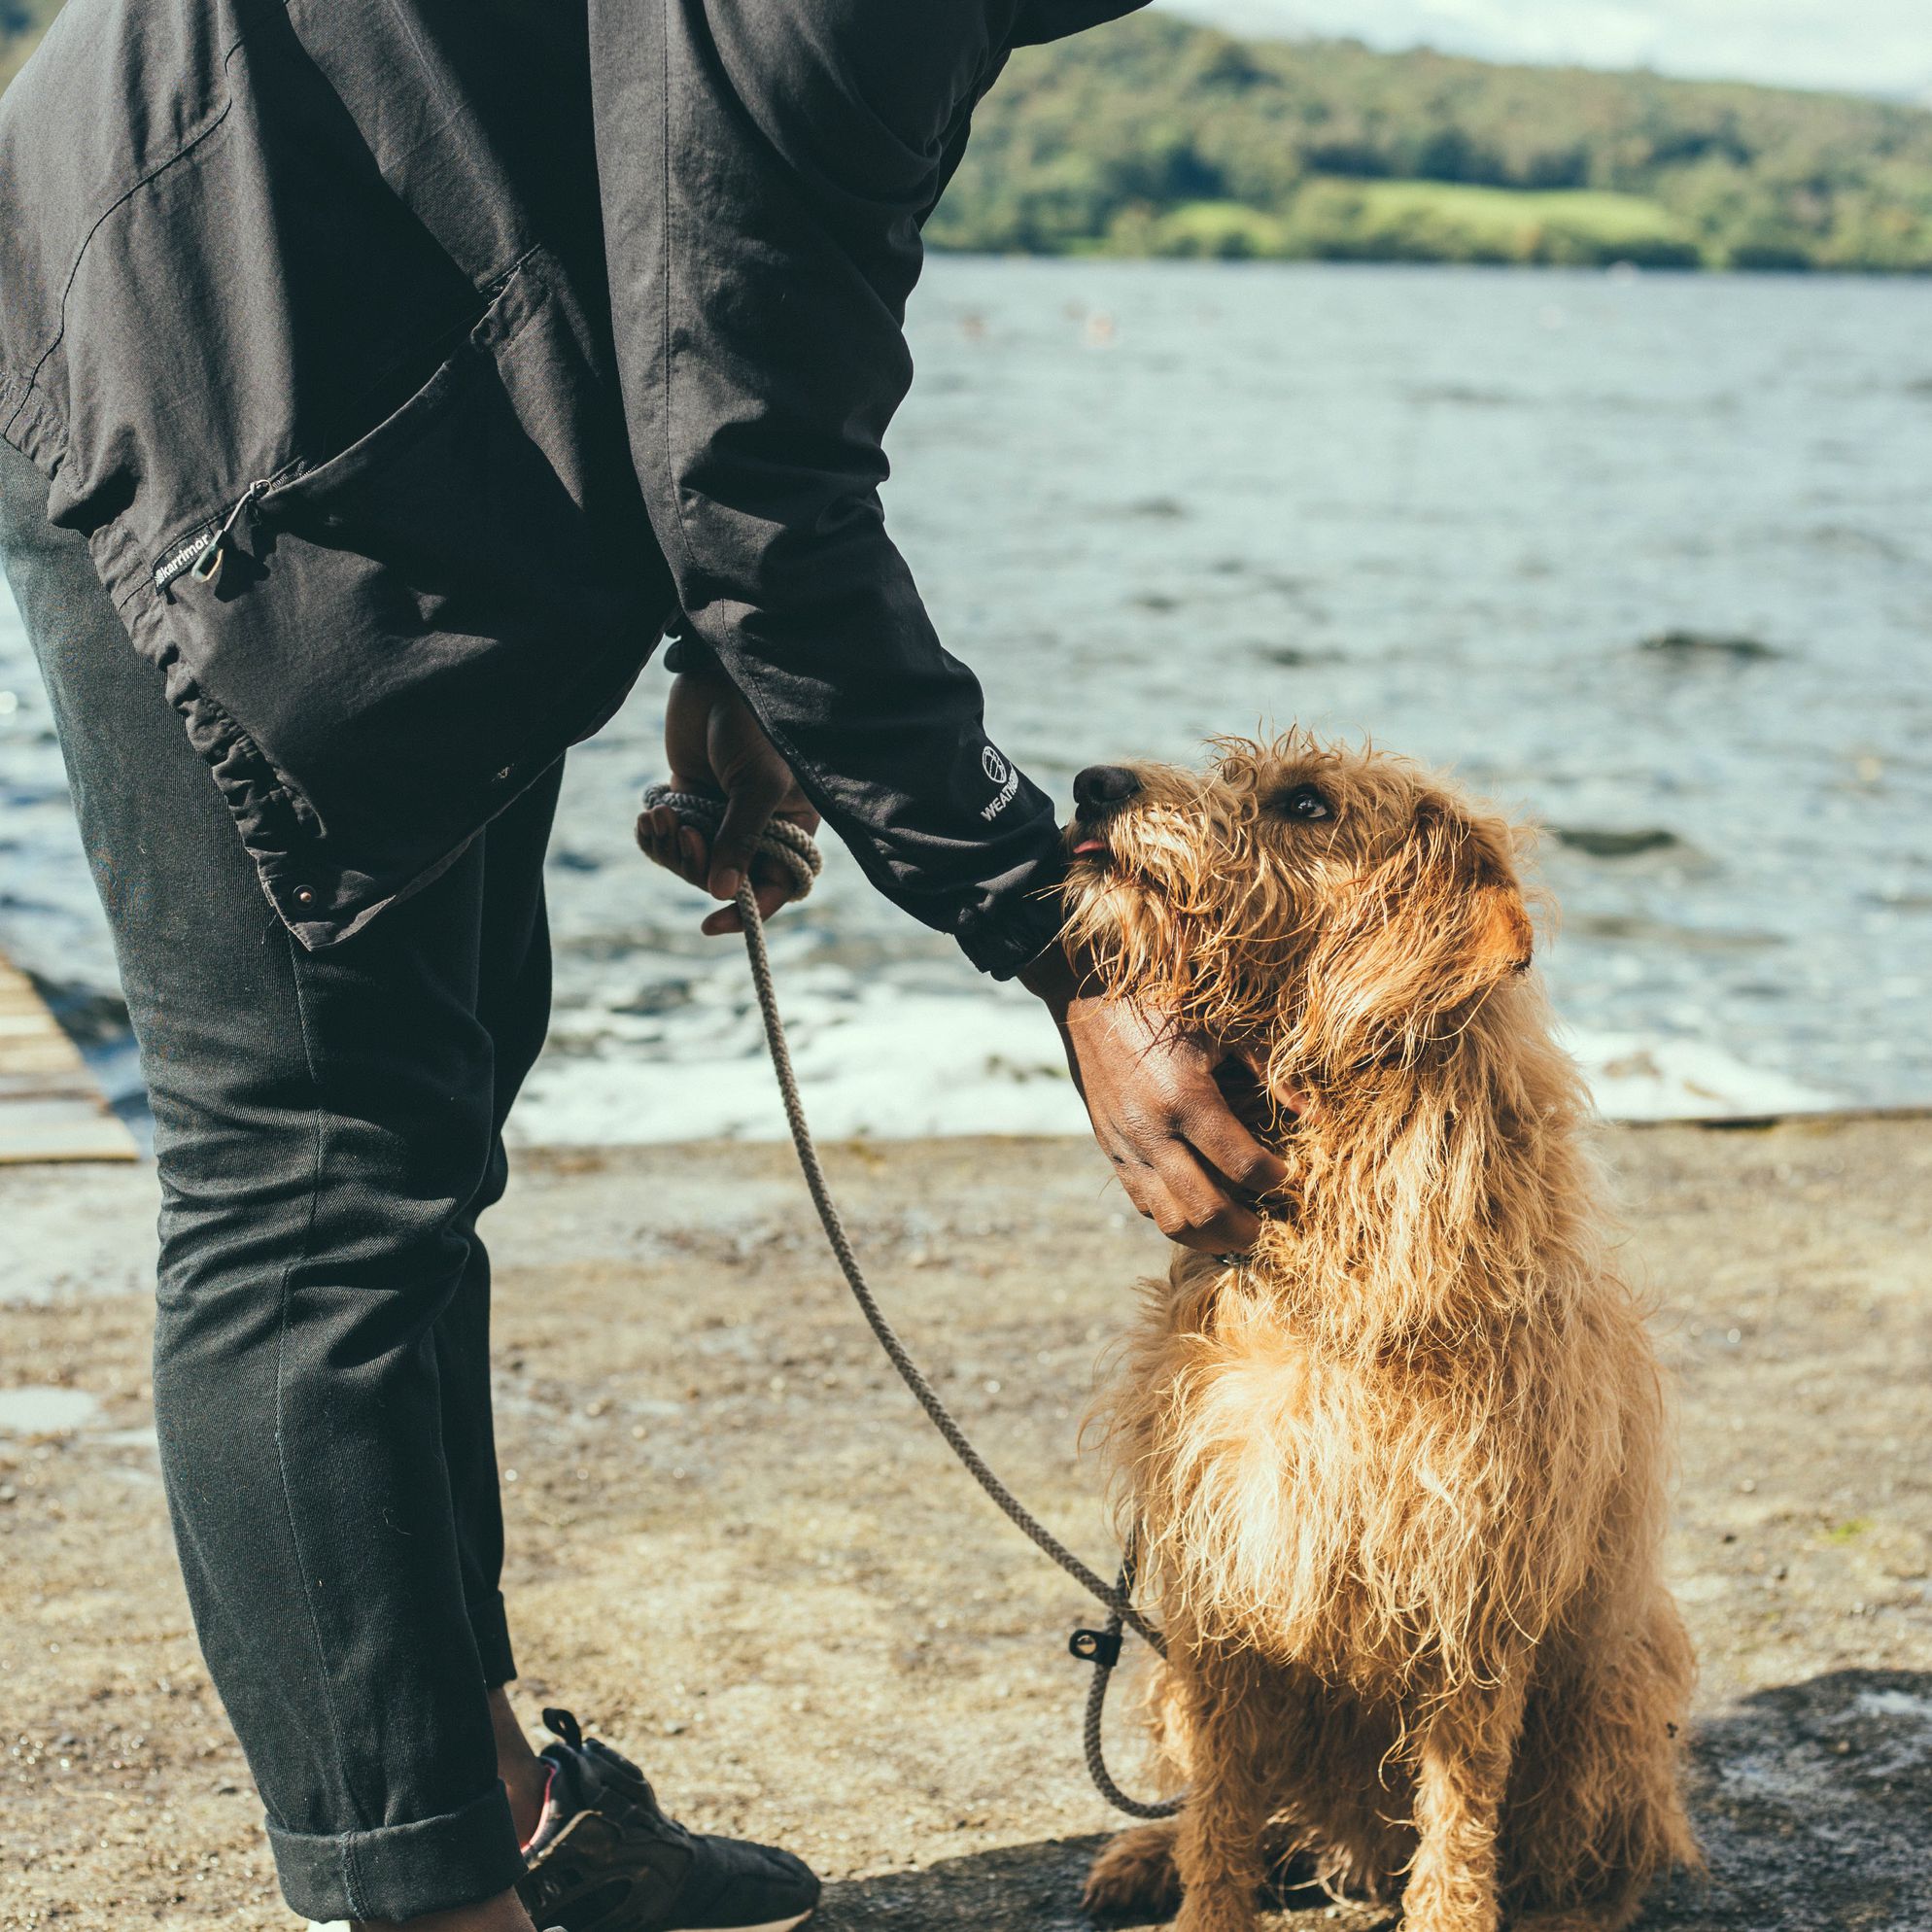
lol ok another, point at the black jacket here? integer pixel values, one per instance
(410, 363)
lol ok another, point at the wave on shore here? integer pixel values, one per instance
(887, 1064)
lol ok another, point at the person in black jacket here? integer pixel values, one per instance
(378, 383)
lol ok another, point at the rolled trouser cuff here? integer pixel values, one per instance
(490, 1628)
(402, 1871)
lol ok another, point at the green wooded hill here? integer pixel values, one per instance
(1152, 136)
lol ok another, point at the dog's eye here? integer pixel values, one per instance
(1308, 802)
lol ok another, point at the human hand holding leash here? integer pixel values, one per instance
(716, 746)
(1159, 1112)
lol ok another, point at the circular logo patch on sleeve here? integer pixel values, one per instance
(1004, 776)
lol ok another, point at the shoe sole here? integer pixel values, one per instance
(776, 1924)
(770, 1925)
(790, 1924)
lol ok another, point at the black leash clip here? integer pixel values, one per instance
(1096, 1646)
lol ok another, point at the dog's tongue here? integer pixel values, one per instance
(1085, 846)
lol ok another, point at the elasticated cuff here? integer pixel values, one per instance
(402, 1871)
(490, 1628)
(1026, 920)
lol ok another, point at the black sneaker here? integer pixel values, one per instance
(606, 1859)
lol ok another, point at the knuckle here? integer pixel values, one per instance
(1202, 1219)
(1213, 1199)
(1257, 1168)
(1169, 1094)
(1184, 1172)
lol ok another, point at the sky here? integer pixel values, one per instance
(1878, 47)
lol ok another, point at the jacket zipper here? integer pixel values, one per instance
(207, 568)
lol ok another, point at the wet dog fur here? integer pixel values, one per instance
(1399, 1473)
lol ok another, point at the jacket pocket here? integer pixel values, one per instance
(407, 629)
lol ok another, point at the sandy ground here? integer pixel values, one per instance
(738, 1549)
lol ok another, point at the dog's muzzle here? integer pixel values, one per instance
(1101, 787)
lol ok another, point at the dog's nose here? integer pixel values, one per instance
(1102, 786)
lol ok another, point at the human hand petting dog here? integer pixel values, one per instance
(1158, 1113)
(1159, 1110)
(714, 744)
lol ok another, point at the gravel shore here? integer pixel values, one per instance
(738, 1550)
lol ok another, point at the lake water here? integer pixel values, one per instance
(1450, 509)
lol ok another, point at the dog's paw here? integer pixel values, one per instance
(1134, 1880)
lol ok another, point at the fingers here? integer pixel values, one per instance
(1188, 1205)
(667, 841)
(717, 746)
(1219, 1137)
(1185, 1160)
(1185, 1203)
(745, 814)
(1198, 1118)
(768, 895)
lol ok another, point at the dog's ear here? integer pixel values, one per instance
(1437, 924)
(1502, 940)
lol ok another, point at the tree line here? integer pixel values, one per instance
(1156, 137)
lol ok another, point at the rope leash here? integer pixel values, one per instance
(1102, 1650)
(794, 849)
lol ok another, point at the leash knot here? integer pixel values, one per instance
(790, 844)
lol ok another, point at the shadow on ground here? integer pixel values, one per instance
(1813, 1801)
(1815, 1805)
(1031, 1885)
(1035, 1886)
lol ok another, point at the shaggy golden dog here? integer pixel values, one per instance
(1398, 1474)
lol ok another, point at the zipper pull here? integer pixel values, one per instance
(207, 568)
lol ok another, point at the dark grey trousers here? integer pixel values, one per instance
(329, 1127)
